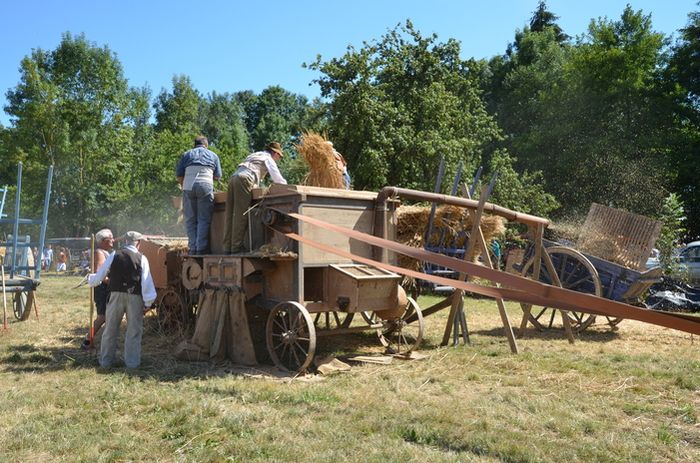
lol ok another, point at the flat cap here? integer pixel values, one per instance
(133, 236)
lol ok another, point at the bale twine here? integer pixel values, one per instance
(323, 167)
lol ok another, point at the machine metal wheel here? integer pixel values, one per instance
(191, 274)
(575, 272)
(22, 304)
(400, 337)
(172, 310)
(333, 320)
(291, 336)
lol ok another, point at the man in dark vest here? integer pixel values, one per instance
(132, 292)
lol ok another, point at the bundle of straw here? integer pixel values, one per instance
(323, 167)
(451, 228)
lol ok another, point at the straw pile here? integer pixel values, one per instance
(605, 248)
(318, 155)
(451, 227)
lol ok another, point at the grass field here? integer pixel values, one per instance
(628, 395)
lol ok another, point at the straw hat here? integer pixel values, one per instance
(276, 147)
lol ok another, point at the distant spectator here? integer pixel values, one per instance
(61, 260)
(47, 257)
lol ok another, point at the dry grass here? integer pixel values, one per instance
(629, 395)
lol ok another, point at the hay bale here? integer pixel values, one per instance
(412, 223)
(323, 166)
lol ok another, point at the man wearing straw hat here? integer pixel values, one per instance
(249, 174)
(131, 292)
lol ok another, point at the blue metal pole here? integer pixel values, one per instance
(44, 222)
(15, 229)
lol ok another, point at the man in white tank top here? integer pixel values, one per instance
(196, 171)
(249, 174)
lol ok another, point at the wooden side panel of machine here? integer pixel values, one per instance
(279, 283)
(354, 218)
(222, 271)
(357, 288)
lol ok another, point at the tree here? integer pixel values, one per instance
(399, 104)
(274, 115)
(179, 111)
(72, 108)
(592, 116)
(683, 73)
(543, 19)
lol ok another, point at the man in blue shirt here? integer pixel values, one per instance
(196, 171)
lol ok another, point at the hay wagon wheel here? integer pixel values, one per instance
(291, 336)
(575, 272)
(172, 310)
(398, 335)
(333, 320)
(22, 304)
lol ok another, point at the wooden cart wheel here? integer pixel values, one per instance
(370, 317)
(290, 336)
(575, 272)
(333, 320)
(400, 337)
(172, 310)
(22, 303)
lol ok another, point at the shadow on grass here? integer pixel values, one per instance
(157, 359)
(588, 335)
(158, 362)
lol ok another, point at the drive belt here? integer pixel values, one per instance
(515, 287)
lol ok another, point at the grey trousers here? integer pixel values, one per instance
(119, 304)
(238, 201)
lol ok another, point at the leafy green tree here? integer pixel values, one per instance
(592, 116)
(614, 119)
(672, 219)
(223, 125)
(178, 111)
(73, 108)
(276, 114)
(684, 73)
(399, 104)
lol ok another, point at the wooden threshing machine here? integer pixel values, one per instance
(296, 293)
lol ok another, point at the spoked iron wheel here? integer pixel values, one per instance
(172, 310)
(291, 336)
(22, 304)
(400, 337)
(332, 320)
(576, 273)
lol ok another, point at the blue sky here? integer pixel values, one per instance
(227, 46)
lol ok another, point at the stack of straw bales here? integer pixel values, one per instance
(455, 221)
(318, 155)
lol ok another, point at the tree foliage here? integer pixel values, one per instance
(400, 104)
(72, 108)
(610, 117)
